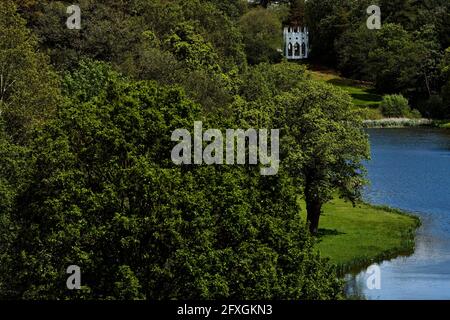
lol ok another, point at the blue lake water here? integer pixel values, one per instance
(410, 169)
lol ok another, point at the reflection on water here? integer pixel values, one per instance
(410, 169)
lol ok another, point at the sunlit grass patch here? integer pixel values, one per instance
(355, 237)
(362, 93)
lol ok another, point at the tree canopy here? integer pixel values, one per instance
(103, 193)
(86, 118)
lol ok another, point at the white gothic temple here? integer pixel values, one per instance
(296, 42)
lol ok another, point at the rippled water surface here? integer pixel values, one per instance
(410, 169)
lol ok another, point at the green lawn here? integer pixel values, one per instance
(354, 237)
(363, 94)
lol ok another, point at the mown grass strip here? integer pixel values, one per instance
(355, 237)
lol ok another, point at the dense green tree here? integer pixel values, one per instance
(104, 194)
(395, 105)
(28, 85)
(265, 81)
(404, 62)
(233, 8)
(353, 49)
(188, 43)
(324, 145)
(443, 23)
(13, 177)
(261, 30)
(185, 59)
(151, 62)
(111, 29)
(192, 49)
(217, 29)
(403, 12)
(88, 179)
(108, 30)
(445, 68)
(327, 20)
(297, 12)
(394, 59)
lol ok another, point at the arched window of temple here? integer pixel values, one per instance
(303, 49)
(290, 49)
(297, 50)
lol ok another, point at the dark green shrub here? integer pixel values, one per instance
(395, 106)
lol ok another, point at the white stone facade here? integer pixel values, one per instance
(296, 42)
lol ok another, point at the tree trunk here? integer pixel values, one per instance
(427, 83)
(264, 3)
(313, 209)
(313, 201)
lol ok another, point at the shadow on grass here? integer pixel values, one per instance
(369, 97)
(328, 232)
(342, 82)
(358, 91)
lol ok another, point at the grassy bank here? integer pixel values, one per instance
(368, 102)
(362, 93)
(355, 237)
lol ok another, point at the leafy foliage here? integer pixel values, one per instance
(395, 105)
(28, 86)
(86, 178)
(261, 32)
(445, 69)
(325, 144)
(104, 194)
